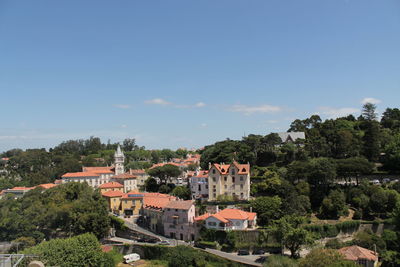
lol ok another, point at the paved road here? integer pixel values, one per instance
(249, 259)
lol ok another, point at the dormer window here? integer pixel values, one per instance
(213, 171)
(233, 171)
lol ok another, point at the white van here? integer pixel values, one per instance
(131, 257)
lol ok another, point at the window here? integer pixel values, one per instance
(225, 178)
(241, 195)
(233, 179)
(233, 171)
(225, 186)
(241, 178)
(214, 179)
(241, 186)
(176, 209)
(213, 171)
(206, 186)
(199, 187)
(212, 223)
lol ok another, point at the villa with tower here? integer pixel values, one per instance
(102, 176)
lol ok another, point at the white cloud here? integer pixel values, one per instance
(248, 110)
(122, 106)
(157, 101)
(199, 104)
(370, 100)
(124, 126)
(203, 125)
(337, 112)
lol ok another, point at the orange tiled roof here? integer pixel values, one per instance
(180, 204)
(47, 186)
(98, 169)
(222, 168)
(202, 217)
(354, 253)
(202, 174)
(79, 174)
(155, 202)
(115, 193)
(157, 195)
(111, 185)
(133, 194)
(235, 214)
(242, 168)
(219, 218)
(124, 176)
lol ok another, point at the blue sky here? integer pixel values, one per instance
(189, 73)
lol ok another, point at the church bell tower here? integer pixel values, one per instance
(119, 158)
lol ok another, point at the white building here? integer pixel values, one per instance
(119, 158)
(229, 219)
(199, 185)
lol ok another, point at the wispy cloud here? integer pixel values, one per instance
(337, 112)
(248, 110)
(123, 106)
(157, 101)
(203, 125)
(370, 100)
(163, 102)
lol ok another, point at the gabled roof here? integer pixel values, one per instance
(124, 176)
(111, 185)
(354, 253)
(180, 204)
(98, 169)
(228, 214)
(137, 171)
(202, 174)
(235, 214)
(155, 202)
(79, 174)
(291, 136)
(47, 186)
(222, 168)
(134, 194)
(242, 168)
(115, 193)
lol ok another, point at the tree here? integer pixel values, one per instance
(182, 192)
(280, 261)
(391, 118)
(164, 173)
(129, 144)
(334, 205)
(392, 154)
(353, 167)
(267, 209)
(151, 185)
(368, 112)
(288, 232)
(325, 258)
(82, 250)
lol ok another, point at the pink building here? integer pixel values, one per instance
(178, 219)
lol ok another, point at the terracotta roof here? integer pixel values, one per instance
(166, 163)
(124, 176)
(222, 168)
(59, 181)
(115, 193)
(180, 204)
(47, 186)
(242, 168)
(235, 214)
(79, 174)
(5, 159)
(21, 188)
(202, 217)
(354, 253)
(228, 214)
(111, 185)
(219, 218)
(155, 202)
(202, 174)
(157, 195)
(98, 169)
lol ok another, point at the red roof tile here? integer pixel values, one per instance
(47, 186)
(180, 204)
(111, 185)
(202, 217)
(354, 253)
(79, 174)
(116, 193)
(98, 169)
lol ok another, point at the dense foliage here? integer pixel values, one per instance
(65, 210)
(81, 250)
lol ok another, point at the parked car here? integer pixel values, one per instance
(261, 259)
(258, 252)
(386, 180)
(131, 257)
(376, 182)
(164, 242)
(243, 252)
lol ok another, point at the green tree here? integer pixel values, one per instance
(334, 205)
(82, 250)
(164, 173)
(288, 232)
(325, 258)
(182, 192)
(267, 209)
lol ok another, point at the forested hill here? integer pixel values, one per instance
(364, 137)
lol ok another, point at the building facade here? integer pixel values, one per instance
(127, 180)
(178, 219)
(199, 185)
(229, 219)
(229, 180)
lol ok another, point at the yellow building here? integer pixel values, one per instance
(131, 203)
(113, 198)
(111, 186)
